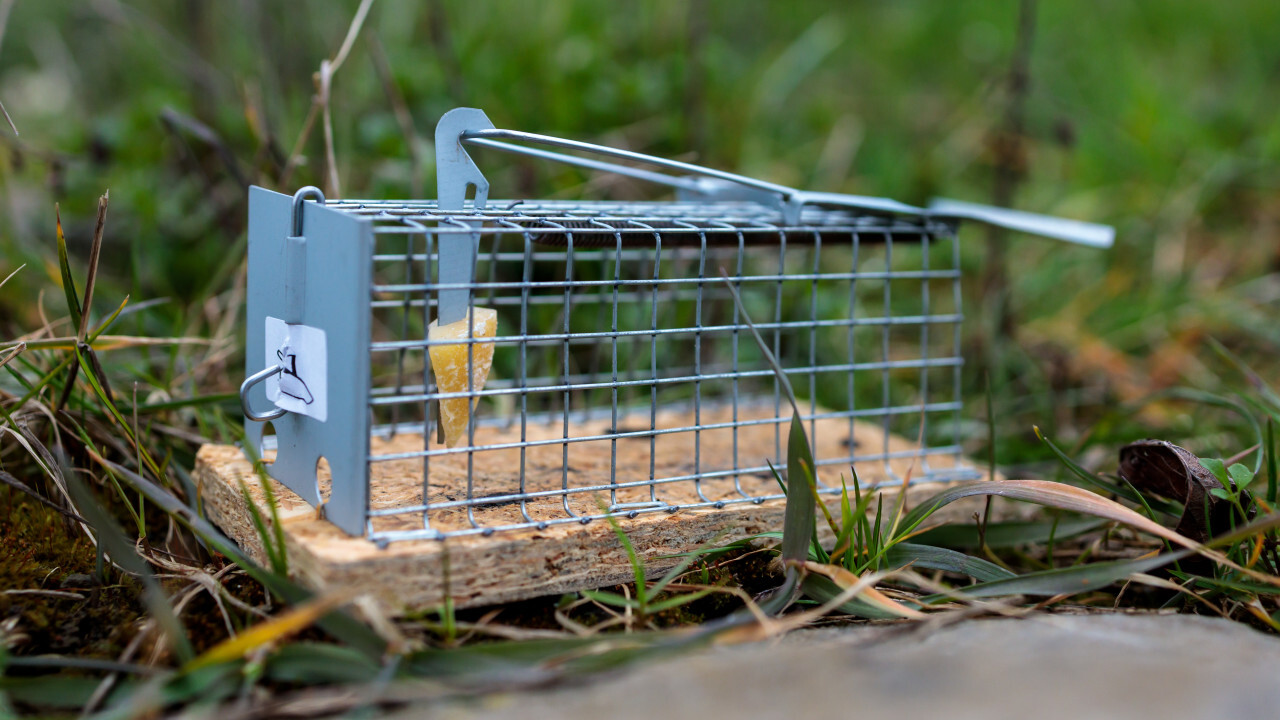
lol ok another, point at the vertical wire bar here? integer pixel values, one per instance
(853, 308)
(593, 363)
(955, 344)
(924, 350)
(813, 346)
(653, 365)
(632, 355)
(493, 268)
(406, 309)
(777, 347)
(884, 350)
(523, 369)
(737, 325)
(427, 384)
(697, 368)
(472, 400)
(613, 390)
(568, 311)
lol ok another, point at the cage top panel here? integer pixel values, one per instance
(597, 222)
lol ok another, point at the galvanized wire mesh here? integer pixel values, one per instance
(619, 343)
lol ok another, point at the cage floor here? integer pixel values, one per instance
(634, 461)
(518, 564)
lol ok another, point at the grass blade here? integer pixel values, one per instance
(9, 277)
(311, 663)
(800, 519)
(824, 590)
(612, 598)
(679, 600)
(1051, 494)
(936, 558)
(783, 380)
(337, 623)
(1271, 462)
(122, 551)
(869, 602)
(1254, 379)
(95, 251)
(277, 628)
(1065, 581)
(1101, 485)
(105, 398)
(68, 283)
(273, 542)
(1239, 408)
(1006, 535)
(677, 571)
(637, 567)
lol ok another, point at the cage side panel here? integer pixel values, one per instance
(625, 380)
(268, 213)
(337, 260)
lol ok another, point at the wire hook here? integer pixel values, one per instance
(247, 385)
(311, 191)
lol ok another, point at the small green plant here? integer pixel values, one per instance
(1235, 480)
(647, 601)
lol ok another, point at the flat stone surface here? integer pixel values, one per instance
(1043, 667)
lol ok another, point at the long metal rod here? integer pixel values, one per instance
(637, 173)
(486, 138)
(791, 200)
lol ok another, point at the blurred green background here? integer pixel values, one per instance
(1158, 118)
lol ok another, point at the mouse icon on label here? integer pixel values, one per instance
(290, 383)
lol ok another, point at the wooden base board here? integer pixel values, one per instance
(520, 564)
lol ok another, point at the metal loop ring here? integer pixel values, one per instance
(309, 191)
(248, 383)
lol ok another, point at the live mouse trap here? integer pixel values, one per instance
(481, 383)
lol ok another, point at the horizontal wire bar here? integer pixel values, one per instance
(389, 536)
(719, 215)
(591, 253)
(676, 295)
(559, 338)
(719, 474)
(648, 382)
(534, 384)
(647, 282)
(546, 227)
(653, 432)
(604, 413)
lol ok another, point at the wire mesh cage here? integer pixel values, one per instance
(467, 366)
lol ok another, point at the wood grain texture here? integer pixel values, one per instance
(520, 564)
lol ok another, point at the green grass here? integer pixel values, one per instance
(1157, 118)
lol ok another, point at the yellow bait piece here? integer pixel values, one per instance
(449, 363)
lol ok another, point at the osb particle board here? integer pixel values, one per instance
(519, 564)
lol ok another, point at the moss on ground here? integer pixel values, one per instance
(43, 551)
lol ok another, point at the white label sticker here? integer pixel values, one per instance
(301, 384)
